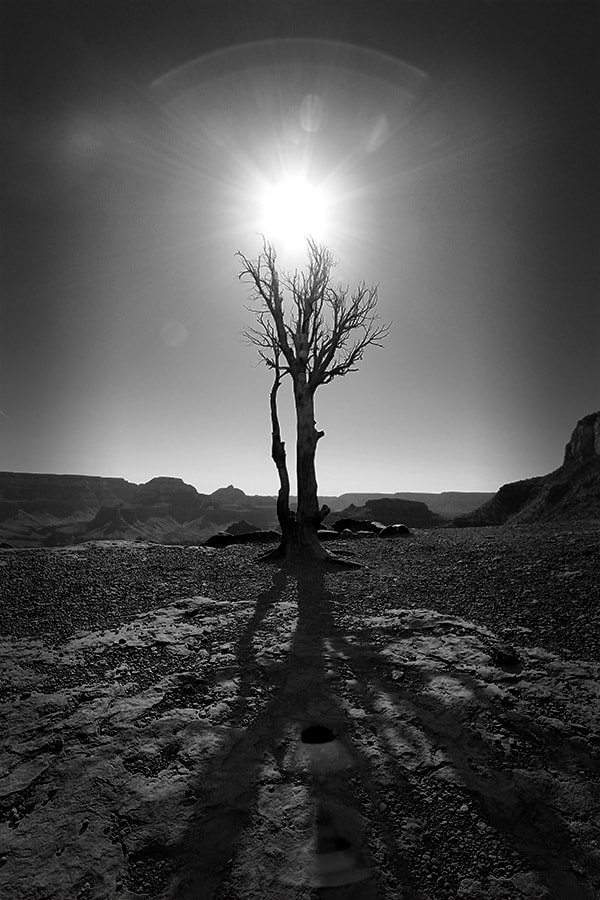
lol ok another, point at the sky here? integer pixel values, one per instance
(447, 152)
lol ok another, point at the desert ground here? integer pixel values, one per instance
(191, 723)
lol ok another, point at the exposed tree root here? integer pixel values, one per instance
(293, 558)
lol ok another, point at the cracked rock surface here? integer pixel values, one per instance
(194, 724)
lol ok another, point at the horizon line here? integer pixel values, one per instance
(320, 493)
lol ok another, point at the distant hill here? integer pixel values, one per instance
(53, 510)
(570, 492)
(448, 504)
(39, 510)
(391, 511)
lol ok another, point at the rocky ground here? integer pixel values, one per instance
(191, 723)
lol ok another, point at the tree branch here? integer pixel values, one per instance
(325, 330)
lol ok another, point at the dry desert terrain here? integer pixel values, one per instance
(192, 723)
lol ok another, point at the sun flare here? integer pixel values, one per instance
(291, 140)
(293, 210)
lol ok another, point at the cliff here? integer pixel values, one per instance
(568, 493)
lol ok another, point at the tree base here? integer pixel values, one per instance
(305, 557)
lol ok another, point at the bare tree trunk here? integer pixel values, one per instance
(299, 540)
(284, 515)
(308, 516)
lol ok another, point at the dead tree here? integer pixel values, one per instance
(312, 331)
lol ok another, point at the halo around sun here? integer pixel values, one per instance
(290, 139)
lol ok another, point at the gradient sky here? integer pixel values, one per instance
(456, 148)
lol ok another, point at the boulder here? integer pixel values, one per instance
(258, 537)
(220, 539)
(397, 530)
(505, 655)
(225, 538)
(350, 524)
(242, 527)
(327, 534)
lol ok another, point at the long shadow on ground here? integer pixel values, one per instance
(410, 799)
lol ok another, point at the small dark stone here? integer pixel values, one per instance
(505, 655)
(317, 734)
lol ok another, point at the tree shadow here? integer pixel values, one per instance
(301, 698)
(520, 806)
(398, 741)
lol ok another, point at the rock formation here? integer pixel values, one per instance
(447, 503)
(59, 495)
(56, 510)
(584, 444)
(390, 511)
(568, 493)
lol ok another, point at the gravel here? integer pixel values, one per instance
(530, 586)
(537, 586)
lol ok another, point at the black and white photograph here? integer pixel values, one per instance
(300, 449)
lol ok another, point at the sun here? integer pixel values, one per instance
(293, 210)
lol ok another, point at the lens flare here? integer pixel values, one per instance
(293, 210)
(290, 139)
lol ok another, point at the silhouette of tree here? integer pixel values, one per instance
(313, 331)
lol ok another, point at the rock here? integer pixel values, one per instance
(258, 537)
(584, 443)
(241, 527)
(505, 655)
(509, 499)
(348, 523)
(387, 511)
(225, 539)
(395, 531)
(571, 492)
(470, 889)
(220, 539)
